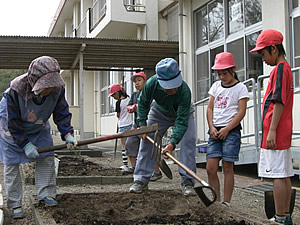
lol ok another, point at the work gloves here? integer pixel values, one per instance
(71, 142)
(132, 108)
(31, 151)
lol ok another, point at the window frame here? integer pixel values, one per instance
(227, 39)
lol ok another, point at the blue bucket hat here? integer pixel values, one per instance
(168, 74)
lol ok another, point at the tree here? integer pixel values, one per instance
(6, 76)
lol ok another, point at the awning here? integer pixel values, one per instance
(16, 52)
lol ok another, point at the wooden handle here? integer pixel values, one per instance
(189, 171)
(129, 133)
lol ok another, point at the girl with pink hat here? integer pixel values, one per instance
(124, 120)
(226, 108)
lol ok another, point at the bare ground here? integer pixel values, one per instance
(162, 204)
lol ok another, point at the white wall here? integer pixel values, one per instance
(277, 18)
(152, 19)
(88, 103)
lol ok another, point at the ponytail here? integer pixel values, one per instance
(122, 92)
(233, 74)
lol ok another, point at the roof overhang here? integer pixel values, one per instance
(16, 52)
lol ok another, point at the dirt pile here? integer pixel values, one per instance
(151, 207)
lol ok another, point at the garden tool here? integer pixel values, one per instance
(206, 193)
(157, 146)
(129, 133)
(270, 204)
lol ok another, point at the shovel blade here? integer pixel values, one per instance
(270, 204)
(165, 169)
(207, 194)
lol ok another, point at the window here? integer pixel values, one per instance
(202, 81)
(295, 4)
(295, 36)
(216, 20)
(213, 53)
(173, 24)
(253, 13)
(235, 15)
(241, 19)
(254, 61)
(238, 19)
(237, 49)
(296, 49)
(107, 104)
(201, 27)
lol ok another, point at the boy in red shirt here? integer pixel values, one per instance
(277, 123)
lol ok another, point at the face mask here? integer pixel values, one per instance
(37, 92)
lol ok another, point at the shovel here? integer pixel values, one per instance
(201, 191)
(270, 204)
(129, 133)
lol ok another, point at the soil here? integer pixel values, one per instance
(162, 204)
(151, 207)
(78, 166)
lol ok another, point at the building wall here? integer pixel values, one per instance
(275, 17)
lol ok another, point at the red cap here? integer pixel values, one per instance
(223, 60)
(267, 38)
(114, 88)
(140, 74)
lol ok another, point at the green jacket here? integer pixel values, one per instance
(177, 106)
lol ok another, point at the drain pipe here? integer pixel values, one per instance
(180, 31)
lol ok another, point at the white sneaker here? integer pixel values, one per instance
(123, 167)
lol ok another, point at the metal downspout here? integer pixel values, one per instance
(180, 31)
(81, 111)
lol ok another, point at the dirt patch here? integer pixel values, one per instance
(150, 207)
(79, 166)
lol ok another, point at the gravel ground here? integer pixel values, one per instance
(244, 202)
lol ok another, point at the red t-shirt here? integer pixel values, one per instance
(280, 88)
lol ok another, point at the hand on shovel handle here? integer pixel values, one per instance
(205, 192)
(168, 149)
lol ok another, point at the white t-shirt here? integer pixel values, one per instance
(226, 103)
(125, 118)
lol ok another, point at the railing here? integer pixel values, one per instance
(254, 134)
(259, 100)
(97, 13)
(134, 5)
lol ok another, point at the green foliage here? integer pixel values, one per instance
(6, 76)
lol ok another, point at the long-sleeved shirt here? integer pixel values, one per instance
(134, 100)
(61, 116)
(177, 106)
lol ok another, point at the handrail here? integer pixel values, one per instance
(134, 5)
(252, 82)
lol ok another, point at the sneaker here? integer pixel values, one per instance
(123, 167)
(156, 175)
(17, 213)
(288, 220)
(49, 201)
(127, 170)
(226, 204)
(138, 187)
(276, 220)
(188, 190)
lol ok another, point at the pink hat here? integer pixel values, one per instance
(267, 38)
(114, 88)
(223, 60)
(140, 74)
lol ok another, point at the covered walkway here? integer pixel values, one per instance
(16, 52)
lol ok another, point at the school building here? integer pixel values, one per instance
(202, 29)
